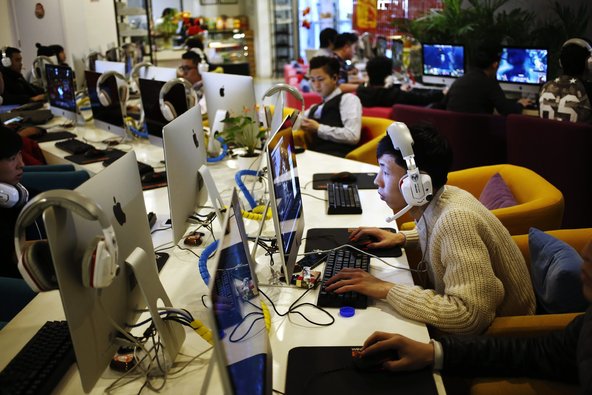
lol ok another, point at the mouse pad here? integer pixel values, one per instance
(330, 370)
(84, 160)
(327, 238)
(363, 180)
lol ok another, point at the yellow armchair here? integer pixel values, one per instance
(540, 204)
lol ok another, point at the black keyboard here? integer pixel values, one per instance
(74, 146)
(53, 136)
(42, 362)
(343, 199)
(337, 260)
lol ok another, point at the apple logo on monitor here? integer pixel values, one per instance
(118, 212)
(222, 91)
(195, 140)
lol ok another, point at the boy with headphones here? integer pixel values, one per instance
(568, 97)
(16, 88)
(193, 63)
(476, 271)
(335, 125)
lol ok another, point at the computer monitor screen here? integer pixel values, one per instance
(230, 92)
(184, 154)
(241, 343)
(442, 63)
(110, 117)
(90, 312)
(522, 69)
(154, 121)
(286, 200)
(102, 66)
(61, 89)
(158, 73)
(381, 46)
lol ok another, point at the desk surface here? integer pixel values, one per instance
(185, 287)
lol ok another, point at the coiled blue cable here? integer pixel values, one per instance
(242, 186)
(202, 263)
(224, 151)
(139, 133)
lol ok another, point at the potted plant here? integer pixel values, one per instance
(243, 132)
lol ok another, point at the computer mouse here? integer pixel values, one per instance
(94, 153)
(344, 177)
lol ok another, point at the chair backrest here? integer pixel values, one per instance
(561, 153)
(373, 127)
(475, 139)
(378, 112)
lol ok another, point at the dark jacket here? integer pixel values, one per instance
(562, 356)
(16, 89)
(477, 93)
(379, 96)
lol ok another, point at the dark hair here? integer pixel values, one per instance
(329, 64)
(194, 42)
(573, 59)
(344, 39)
(10, 142)
(193, 56)
(327, 37)
(49, 50)
(9, 51)
(378, 69)
(432, 153)
(485, 55)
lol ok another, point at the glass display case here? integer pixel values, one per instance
(232, 50)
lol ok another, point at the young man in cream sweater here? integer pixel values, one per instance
(476, 269)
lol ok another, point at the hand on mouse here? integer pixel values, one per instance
(381, 238)
(412, 355)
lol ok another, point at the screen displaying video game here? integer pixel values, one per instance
(523, 66)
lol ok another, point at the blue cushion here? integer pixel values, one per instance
(555, 272)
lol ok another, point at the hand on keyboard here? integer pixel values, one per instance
(370, 238)
(360, 281)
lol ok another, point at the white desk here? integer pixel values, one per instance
(185, 286)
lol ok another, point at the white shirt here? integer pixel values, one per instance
(350, 109)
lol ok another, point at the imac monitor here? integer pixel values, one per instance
(61, 89)
(163, 74)
(102, 66)
(110, 117)
(154, 121)
(230, 92)
(90, 312)
(286, 200)
(442, 63)
(241, 344)
(522, 69)
(184, 154)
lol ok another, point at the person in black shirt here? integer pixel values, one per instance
(375, 93)
(16, 88)
(478, 91)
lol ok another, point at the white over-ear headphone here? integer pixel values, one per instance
(584, 44)
(166, 108)
(39, 68)
(203, 66)
(93, 55)
(6, 61)
(13, 195)
(415, 187)
(99, 262)
(122, 89)
(278, 115)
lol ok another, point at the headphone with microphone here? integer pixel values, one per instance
(166, 108)
(13, 195)
(584, 44)
(203, 66)
(416, 187)
(279, 108)
(39, 68)
(122, 89)
(99, 262)
(6, 61)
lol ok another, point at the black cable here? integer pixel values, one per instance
(188, 249)
(260, 317)
(294, 306)
(159, 229)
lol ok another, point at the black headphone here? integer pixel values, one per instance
(415, 186)
(13, 195)
(99, 262)
(166, 108)
(584, 44)
(104, 97)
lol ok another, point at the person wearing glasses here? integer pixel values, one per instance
(334, 126)
(189, 69)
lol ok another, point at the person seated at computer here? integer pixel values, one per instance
(189, 70)
(52, 50)
(564, 355)
(344, 49)
(569, 96)
(478, 91)
(326, 42)
(376, 92)
(16, 89)
(476, 270)
(334, 126)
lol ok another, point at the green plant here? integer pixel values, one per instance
(242, 131)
